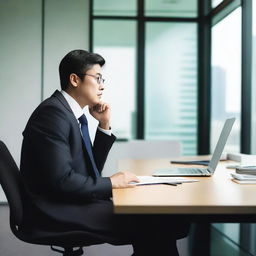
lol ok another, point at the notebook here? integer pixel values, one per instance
(182, 171)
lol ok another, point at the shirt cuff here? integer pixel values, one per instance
(108, 132)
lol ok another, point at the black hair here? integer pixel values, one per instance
(78, 62)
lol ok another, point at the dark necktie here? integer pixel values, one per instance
(87, 142)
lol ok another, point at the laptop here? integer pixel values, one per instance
(183, 171)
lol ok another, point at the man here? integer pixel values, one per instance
(62, 170)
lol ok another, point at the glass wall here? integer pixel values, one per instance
(251, 245)
(216, 2)
(171, 83)
(116, 42)
(253, 146)
(226, 102)
(185, 8)
(227, 244)
(226, 78)
(115, 7)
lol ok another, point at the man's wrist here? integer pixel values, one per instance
(104, 126)
(108, 132)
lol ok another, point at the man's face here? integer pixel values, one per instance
(90, 89)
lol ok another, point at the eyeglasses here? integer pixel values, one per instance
(98, 78)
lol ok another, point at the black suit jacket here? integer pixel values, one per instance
(55, 166)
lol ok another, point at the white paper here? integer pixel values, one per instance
(146, 180)
(243, 177)
(249, 182)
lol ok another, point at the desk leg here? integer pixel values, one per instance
(245, 236)
(199, 239)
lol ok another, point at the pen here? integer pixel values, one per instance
(172, 183)
(159, 183)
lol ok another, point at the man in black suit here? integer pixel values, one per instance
(62, 170)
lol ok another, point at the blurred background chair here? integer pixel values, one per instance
(140, 149)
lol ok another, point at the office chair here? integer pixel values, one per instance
(71, 242)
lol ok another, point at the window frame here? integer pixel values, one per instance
(205, 19)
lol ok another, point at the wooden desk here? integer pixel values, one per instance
(210, 196)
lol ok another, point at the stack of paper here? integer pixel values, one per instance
(243, 178)
(147, 180)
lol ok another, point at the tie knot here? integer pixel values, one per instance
(82, 119)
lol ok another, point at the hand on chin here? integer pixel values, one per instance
(100, 111)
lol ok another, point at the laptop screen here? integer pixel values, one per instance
(221, 144)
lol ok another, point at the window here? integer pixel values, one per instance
(226, 102)
(226, 78)
(116, 42)
(115, 7)
(170, 8)
(169, 72)
(171, 83)
(253, 146)
(216, 3)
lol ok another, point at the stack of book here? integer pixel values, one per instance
(244, 178)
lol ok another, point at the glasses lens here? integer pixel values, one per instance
(100, 80)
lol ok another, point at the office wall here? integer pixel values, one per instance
(66, 29)
(20, 72)
(31, 46)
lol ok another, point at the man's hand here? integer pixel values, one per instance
(122, 180)
(101, 112)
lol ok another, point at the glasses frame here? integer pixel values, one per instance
(98, 78)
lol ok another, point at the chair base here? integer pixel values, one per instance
(69, 251)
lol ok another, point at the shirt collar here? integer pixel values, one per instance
(75, 107)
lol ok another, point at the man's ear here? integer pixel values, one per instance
(74, 80)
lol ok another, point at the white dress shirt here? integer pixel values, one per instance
(78, 111)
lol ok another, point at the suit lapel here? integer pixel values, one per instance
(61, 98)
(57, 94)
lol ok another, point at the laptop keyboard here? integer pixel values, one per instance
(192, 170)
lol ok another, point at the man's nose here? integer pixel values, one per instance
(102, 86)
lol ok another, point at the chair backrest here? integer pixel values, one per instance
(140, 149)
(11, 183)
